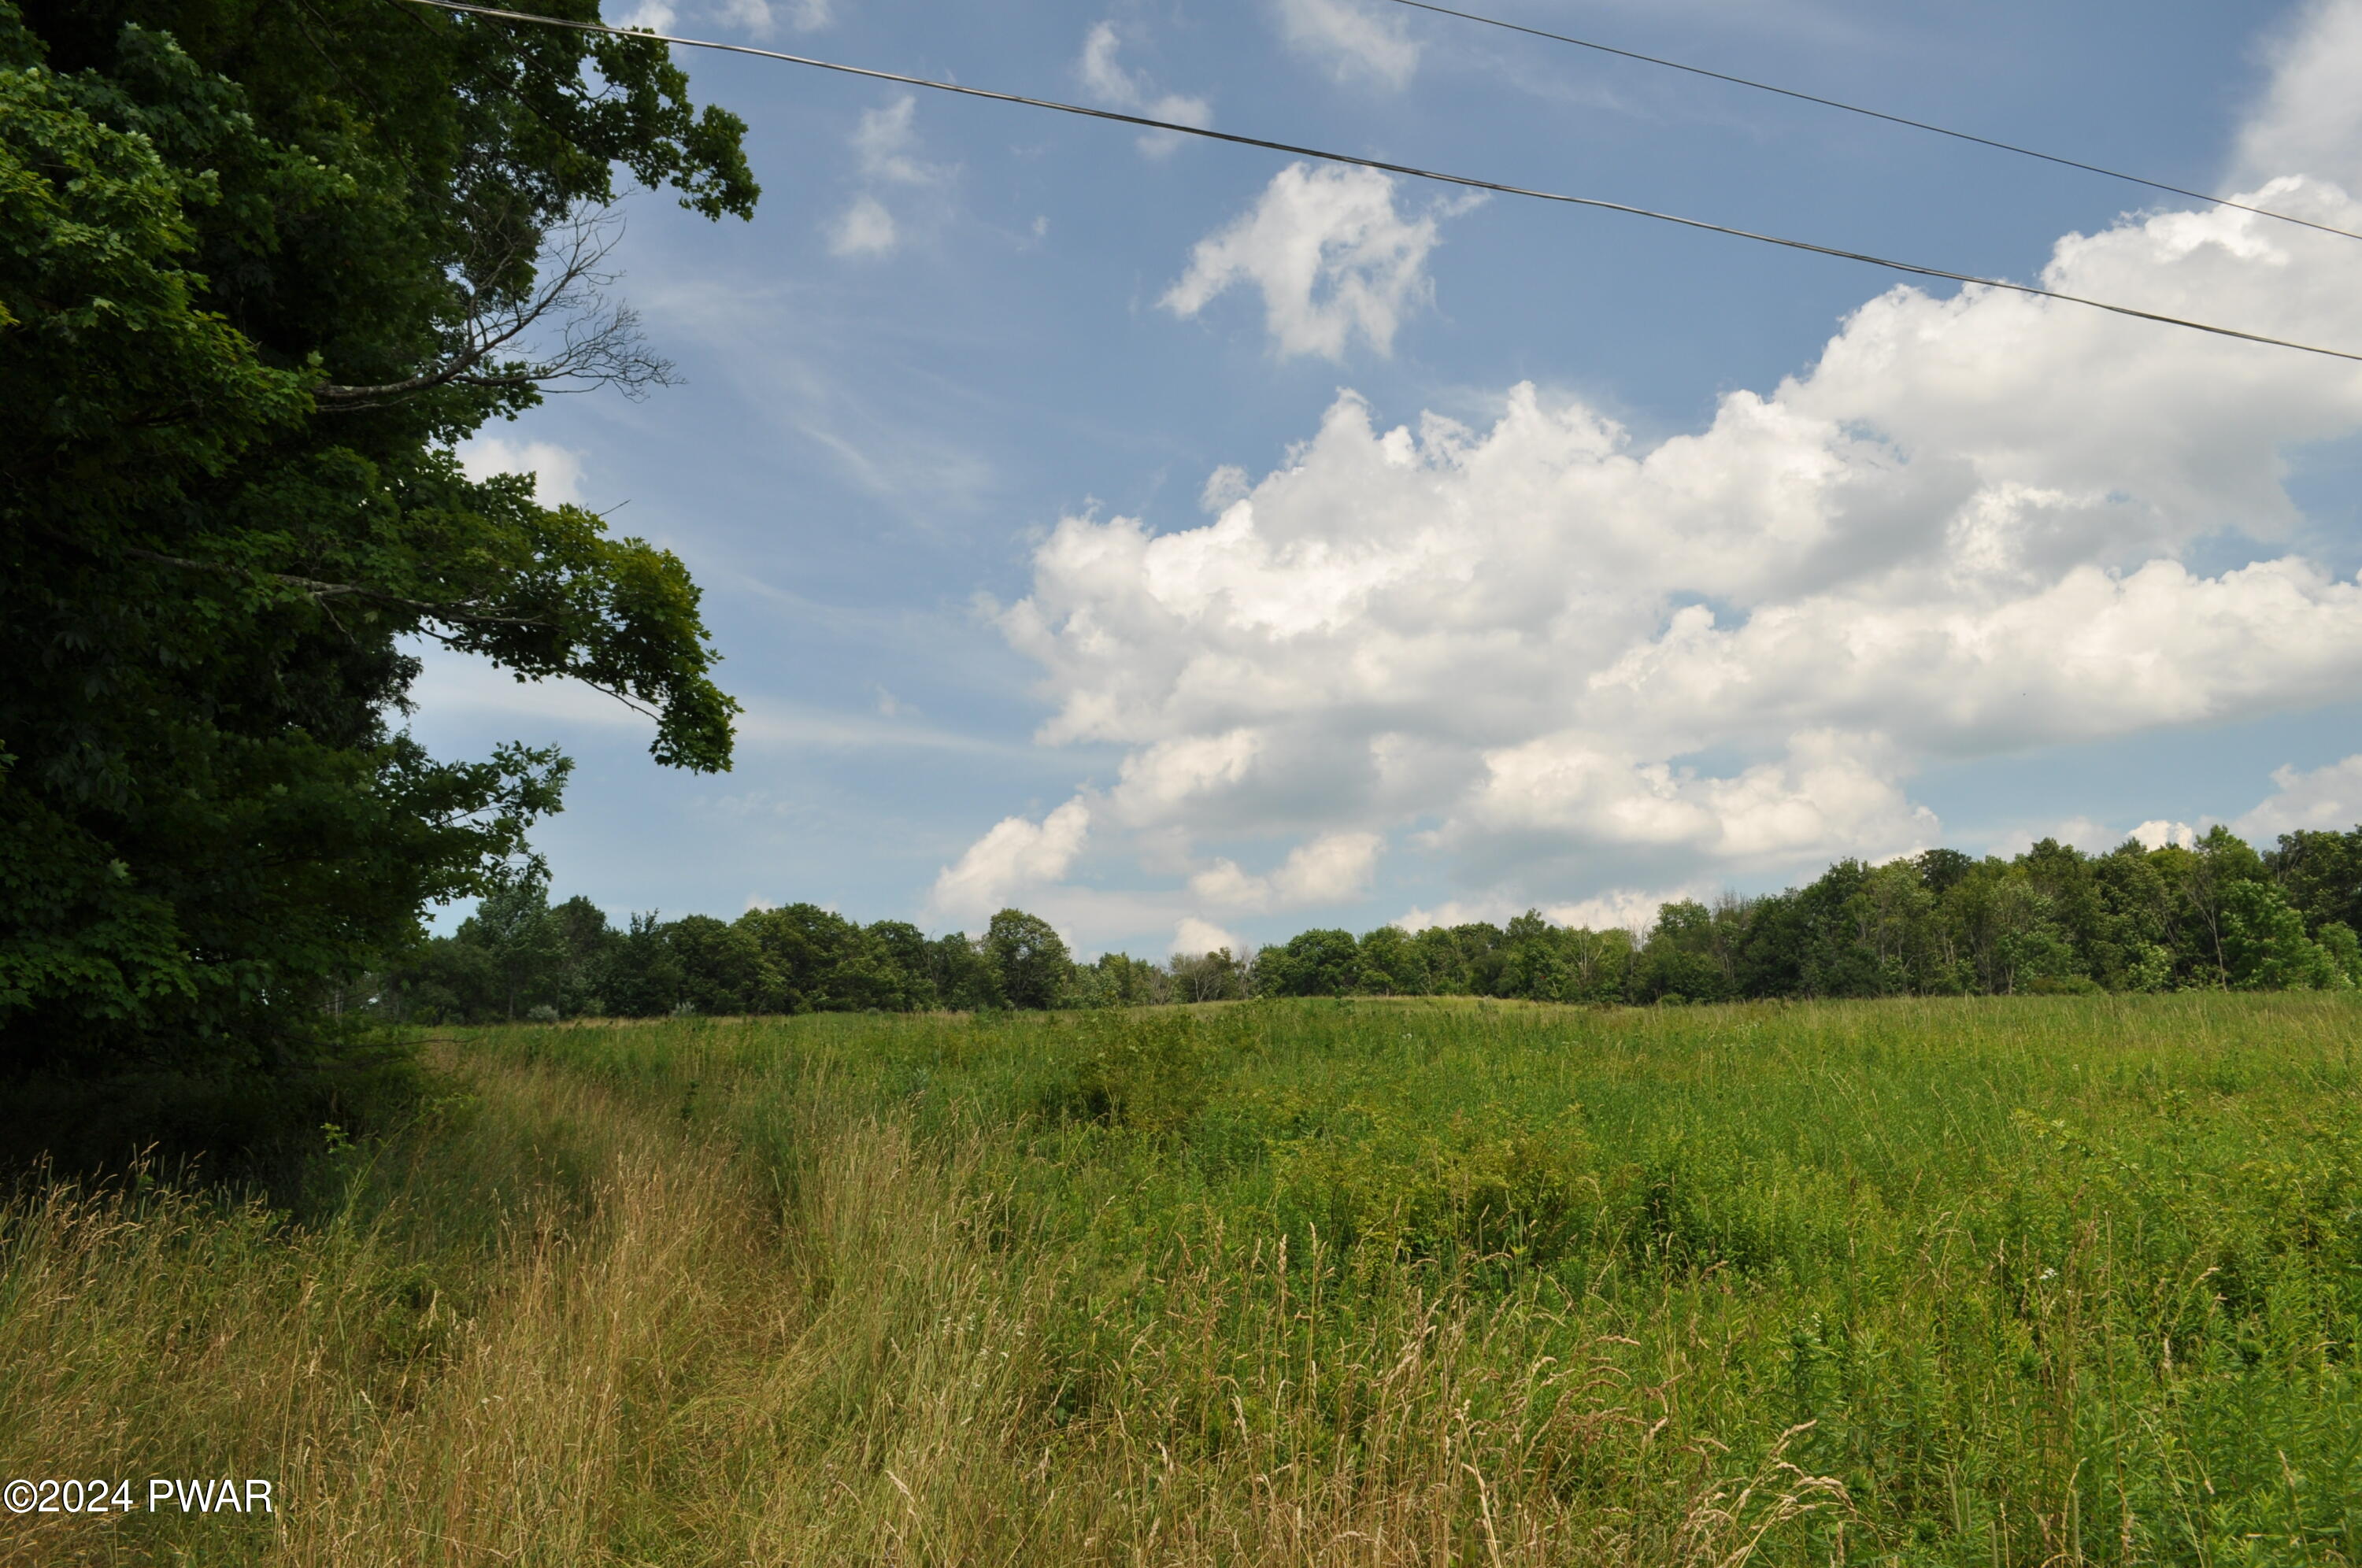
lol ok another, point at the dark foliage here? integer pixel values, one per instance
(262, 265)
(519, 957)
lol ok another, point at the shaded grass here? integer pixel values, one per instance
(2002, 1280)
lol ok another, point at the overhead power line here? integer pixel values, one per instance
(1875, 114)
(1466, 181)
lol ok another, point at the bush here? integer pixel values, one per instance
(1151, 1073)
(1529, 1194)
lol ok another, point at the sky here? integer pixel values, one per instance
(1194, 545)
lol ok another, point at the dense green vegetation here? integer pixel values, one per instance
(518, 957)
(261, 264)
(2210, 914)
(2029, 1281)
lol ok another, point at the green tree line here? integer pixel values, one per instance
(2213, 914)
(520, 956)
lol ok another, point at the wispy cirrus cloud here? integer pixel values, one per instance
(1355, 41)
(887, 154)
(1108, 81)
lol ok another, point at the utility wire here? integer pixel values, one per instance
(1466, 181)
(1872, 114)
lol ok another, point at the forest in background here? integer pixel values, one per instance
(2210, 914)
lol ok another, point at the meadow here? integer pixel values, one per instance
(1974, 1281)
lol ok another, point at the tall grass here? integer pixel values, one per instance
(2005, 1281)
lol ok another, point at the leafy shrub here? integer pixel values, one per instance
(1694, 1201)
(1529, 1194)
(1151, 1073)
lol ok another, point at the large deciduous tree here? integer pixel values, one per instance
(1029, 959)
(262, 263)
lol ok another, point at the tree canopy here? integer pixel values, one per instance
(262, 265)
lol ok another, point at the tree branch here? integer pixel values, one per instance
(462, 612)
(568, 671)
(599, 344)
(465, 611)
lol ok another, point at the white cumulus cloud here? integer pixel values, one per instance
(1329, 254)
(1015, 855)
(1354, 38)
(1331, 869)
(1620, 908)
(1832, 794)
(1569, 664)
(2159, 832)
(757, 18)
(557, 470)
(2311, 117)
(864, 228)
(1194, 938)
(2328, 798)
(654, 16)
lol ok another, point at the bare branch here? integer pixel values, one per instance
(599, 340)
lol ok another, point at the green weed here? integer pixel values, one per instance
(2036, 1280)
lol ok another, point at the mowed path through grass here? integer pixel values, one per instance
(1996, 1281)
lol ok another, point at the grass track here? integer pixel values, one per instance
(1998, 1281)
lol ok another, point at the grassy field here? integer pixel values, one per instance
(2014, 1281)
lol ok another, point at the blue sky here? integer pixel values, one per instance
(1192, 546)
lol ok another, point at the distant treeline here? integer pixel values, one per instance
(2214, 913)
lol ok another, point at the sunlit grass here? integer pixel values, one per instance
(2014, 1280)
